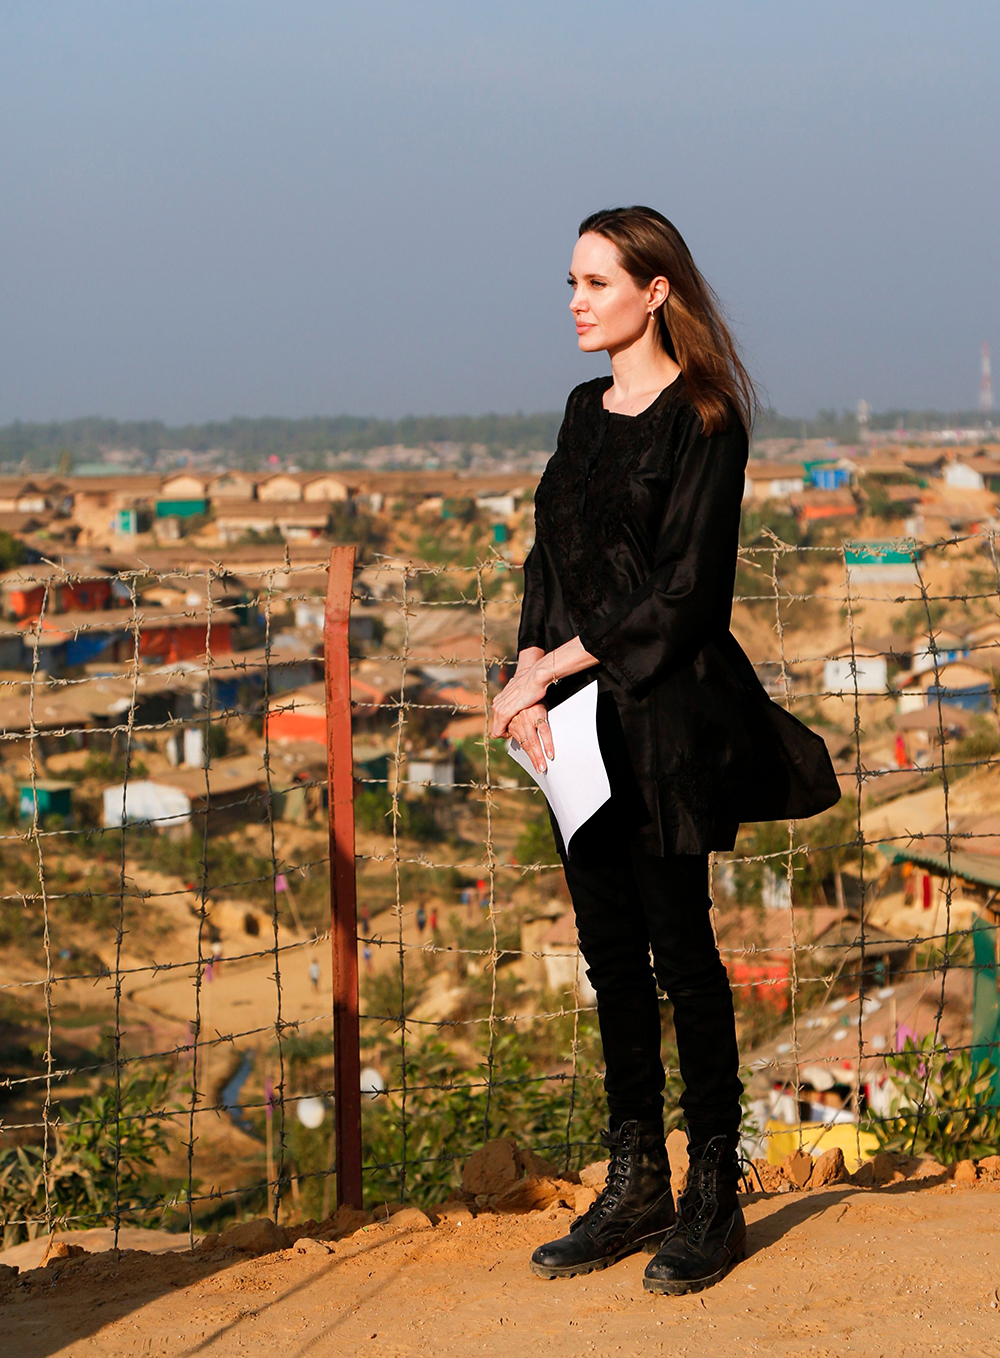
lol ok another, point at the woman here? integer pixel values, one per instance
(631, 580)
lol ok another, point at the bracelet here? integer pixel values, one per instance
(553, 679)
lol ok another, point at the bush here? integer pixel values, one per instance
(345, 524)
(227, 866)
(218, 740)
(418, 817)
(270, 537)
(982, 742)
(107, 768)
(941, 1106)
(12, 551)
(536, 843)
(446, 1123)
(880, 504)
(451, 1111)
(474, 755)
(81, 1173)
(770, 517)
(372, 809)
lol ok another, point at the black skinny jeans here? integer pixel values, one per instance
(629, 903)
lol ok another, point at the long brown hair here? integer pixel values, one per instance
(692, 328)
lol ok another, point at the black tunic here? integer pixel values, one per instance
(636, 538)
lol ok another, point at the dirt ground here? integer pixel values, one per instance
(909, 1269)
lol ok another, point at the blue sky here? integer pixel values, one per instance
(230, 207)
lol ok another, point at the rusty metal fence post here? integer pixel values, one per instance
(343, 884)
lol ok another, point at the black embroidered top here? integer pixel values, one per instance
(636, 539)
(583, 507)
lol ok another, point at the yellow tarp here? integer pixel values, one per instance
(783, 1138)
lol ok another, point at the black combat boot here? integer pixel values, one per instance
(710, 1233)
(634, 1211)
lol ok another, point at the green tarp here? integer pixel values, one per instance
(986, 998)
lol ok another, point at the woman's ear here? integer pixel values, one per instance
(658, 292)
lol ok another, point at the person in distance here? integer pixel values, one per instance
(630, 582)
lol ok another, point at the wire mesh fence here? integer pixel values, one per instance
(167, 992)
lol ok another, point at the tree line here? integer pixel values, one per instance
(250, 442)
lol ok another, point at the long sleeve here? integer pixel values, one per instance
(531, 630)
(687, 597)
(541, 603)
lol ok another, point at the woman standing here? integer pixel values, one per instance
(631, 580)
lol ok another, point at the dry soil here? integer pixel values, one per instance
(910, 1269)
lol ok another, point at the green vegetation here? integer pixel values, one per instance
(59, 444)
(224, 866)
(108, 768)
(450, 1111)
(253, 441)
(347, 525)
(842, 426)
(757, 524)
(982, 742)
(101, 1159)
(754, 583)
(943, 1106)
(880, 504)
(913, 621)
(270, 537)
(536, 843)
(74, 897)
(448, 549)
(830, 841)
(12, 552)
(419, 818)
(473, 751)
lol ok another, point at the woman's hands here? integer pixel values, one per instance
(525, 689)
(519, 710)
(530, 728)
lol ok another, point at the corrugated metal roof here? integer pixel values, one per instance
(983, 868)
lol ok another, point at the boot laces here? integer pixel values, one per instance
(697, 1204)
(615, 1185)
(746, 1168)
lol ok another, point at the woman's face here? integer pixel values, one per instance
(610, 309)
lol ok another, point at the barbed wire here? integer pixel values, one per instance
(478, 816)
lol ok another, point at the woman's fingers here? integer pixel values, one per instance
(545, 735)
(502, 721)
(533, 746)
(526, 736)
(530, 729)
(505, 709)
(538, 718)
(521, 692)
(506, 706)
(502, 716)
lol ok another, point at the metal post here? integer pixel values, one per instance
(343, 885)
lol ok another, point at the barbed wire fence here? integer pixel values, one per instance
(165, 997)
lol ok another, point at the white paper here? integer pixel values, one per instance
(576, 781)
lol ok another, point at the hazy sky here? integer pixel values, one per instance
(217, 207)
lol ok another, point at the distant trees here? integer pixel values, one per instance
(252, 442)
(842, 426)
